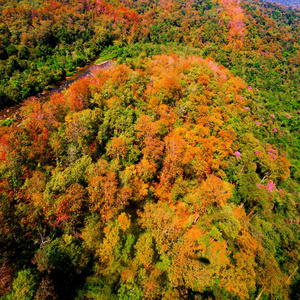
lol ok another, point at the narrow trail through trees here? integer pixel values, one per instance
(13, 112)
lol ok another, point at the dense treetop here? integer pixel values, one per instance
(173, 174)
(43, 41)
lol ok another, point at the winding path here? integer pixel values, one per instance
(88, 70)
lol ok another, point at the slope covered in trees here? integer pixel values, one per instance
(153, 178)
(173, 174)
(289, 3)
(43, 41)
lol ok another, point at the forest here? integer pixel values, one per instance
(172, 174)
(290, 3)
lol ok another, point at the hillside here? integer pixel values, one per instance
(172, 174)
(288, 3)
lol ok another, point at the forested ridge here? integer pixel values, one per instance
(172, 174)
(289, 3)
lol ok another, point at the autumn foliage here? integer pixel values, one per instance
(171, 174)
(143, 174)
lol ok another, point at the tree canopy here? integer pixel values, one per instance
(172, 174)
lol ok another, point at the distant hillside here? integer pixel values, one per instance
(292, 3)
